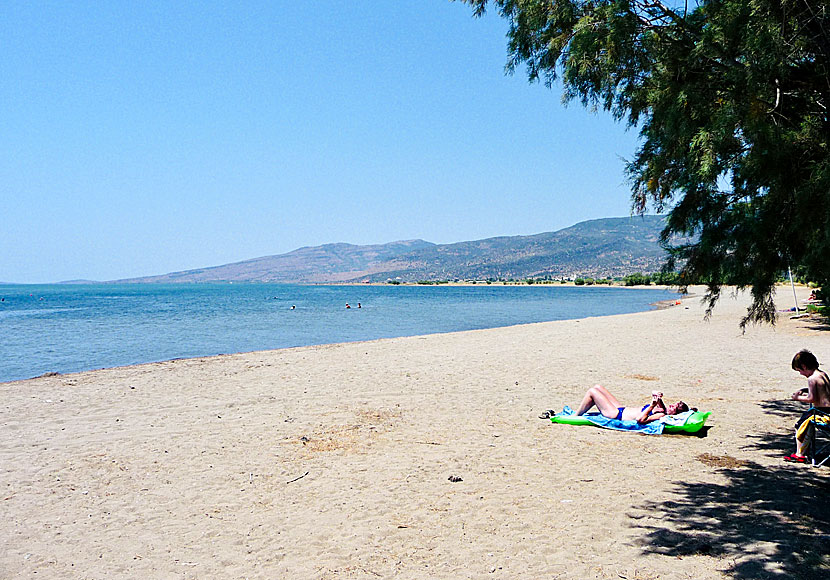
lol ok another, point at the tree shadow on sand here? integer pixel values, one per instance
(761, 521)
(784, 408)
(818, 322)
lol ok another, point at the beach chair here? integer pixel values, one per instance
(821, 423)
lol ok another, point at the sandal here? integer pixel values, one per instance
(547, 414)
(793, 458)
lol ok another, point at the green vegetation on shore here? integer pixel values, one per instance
(635, 279)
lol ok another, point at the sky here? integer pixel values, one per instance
(143, 138)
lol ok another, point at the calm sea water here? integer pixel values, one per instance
(69, 328)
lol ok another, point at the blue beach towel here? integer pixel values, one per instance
(598, 419)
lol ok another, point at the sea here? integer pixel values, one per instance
(65, 328)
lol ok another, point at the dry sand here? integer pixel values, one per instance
(333, 461)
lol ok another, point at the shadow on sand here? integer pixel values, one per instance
(784, 408)
(818, 322)
(761, 521)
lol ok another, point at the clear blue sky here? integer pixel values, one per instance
(142, 138)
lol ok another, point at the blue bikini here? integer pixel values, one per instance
(621, 409)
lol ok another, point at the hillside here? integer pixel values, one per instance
(327, 263)
(597, 248)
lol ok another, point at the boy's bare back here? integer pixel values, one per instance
(819, 388)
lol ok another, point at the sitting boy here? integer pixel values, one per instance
(817, 393)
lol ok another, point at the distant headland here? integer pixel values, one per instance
(600, 248)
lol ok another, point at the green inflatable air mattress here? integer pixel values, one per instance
(693, 424)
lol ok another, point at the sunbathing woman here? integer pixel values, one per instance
(610, 407)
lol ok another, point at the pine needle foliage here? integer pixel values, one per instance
(730, 98)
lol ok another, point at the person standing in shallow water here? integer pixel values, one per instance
(816, 393)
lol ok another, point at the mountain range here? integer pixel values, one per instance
(597, 248)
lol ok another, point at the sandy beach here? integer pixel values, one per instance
(334, 461)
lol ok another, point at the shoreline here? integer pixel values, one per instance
(335, 461)
(104, 360)
(660, 305)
